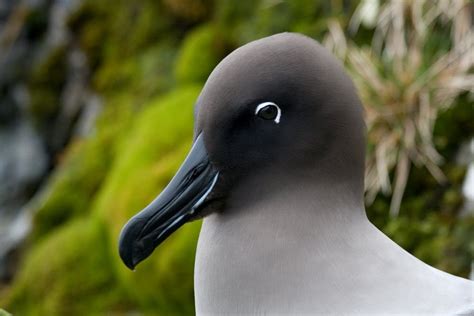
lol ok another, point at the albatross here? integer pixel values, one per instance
(277, 172)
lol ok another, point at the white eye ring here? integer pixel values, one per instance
(264, 104)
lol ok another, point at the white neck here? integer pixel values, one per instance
(299, 248)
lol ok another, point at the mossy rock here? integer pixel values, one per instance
(142, 76)
(80, 173)
(70, 189)
(190, 11)
(245, 21)
(156, 146)
(45, 84)
(91, 24)
(67, 274)
(199, 54)
(4, 313)
(72, 270)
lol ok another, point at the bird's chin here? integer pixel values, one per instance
(210, 206)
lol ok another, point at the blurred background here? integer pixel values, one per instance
(96, 105)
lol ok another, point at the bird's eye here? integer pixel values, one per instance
(268, 111)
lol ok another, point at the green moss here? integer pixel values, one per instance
(134, 50)
(245, 21)
(71, 188)
(45, 84)
(199, 54)
(111, 32)
(139, 24)
(4, 313)
(90, 39)
(67, 274)
(77, 263)
(149, 157)
(125, 48)
(445, 244)
(190, 11)
(146, 74)
(80, 174)
(461, 115)
(91, 24)
(231, 16)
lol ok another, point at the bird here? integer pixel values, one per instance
(276, 171)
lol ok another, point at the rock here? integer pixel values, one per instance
(67, 274)
(23, 162)
(78, 261)
(43, 91)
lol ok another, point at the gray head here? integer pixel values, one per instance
(280, 107)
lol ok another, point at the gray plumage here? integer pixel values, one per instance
(287, 231)
(277, 172)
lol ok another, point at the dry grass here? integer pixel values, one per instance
(403, 85)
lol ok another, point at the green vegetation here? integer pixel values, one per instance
(70, 264)
(45, 86)
(148, 159)
(149, 60)
(198, 55)
(4, 313)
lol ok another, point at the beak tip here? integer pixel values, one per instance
(127, 246)
(130, 266)
(127, 257)
(171, 209)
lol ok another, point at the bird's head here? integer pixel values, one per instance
(281, 105)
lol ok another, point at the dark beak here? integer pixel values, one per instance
(174, 207)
